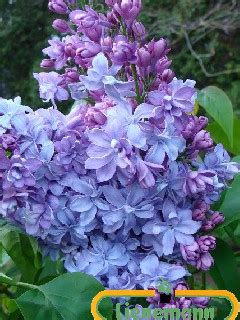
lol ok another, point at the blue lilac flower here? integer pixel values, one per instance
(125, 207)
(152, 270)
(132, 122)
(100, 258)
(102, 77)
(164, 145)
(50, 86)
(178, 98)
(220, 161)
(177, 226)
(10, 110)
(109, 149)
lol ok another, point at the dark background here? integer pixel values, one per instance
(204, 36)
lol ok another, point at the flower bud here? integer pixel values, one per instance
(124, 51)
(158, 49)
(162, 64)
(167, 75)
(86, 53)
(143, 57)
(112, 18)
(71, 76)
(190, 253)
(111, 3)
(217, 218)
(155, 300)
(139, 30)
(200, 210)
(205, 262)
(58, 6)
(128, 10)
(47, 63)
(181, 286)
(207, 225)
(107, 44)
(61, 25)
(202, 140)
(70, 50)
(206, 243)
(94, 117)
(183, 302)
(8, 142)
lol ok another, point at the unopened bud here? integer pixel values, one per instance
(58, 6)
(61, 25)
(47, 63)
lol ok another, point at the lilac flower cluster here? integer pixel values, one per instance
(121, 187)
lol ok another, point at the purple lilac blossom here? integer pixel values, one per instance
(102, 77)
(177, 226)
(50, 86)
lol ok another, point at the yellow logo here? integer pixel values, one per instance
(178, 293)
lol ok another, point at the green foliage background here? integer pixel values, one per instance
(212, 26)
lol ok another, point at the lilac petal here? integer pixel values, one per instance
(188, 226)
(154, 228)
(168, 242)
(156, 98)
(145, 212)
(106, 173)
(136, 136)
(5, 121)
(98, 163)
(149, 265)
(95, 268)
(88, 216)
(94, 151)
(81, 204)
(113, 196)
(156, 154)
(184, 239)
(113, 217)
(175, 273)
(144, 110)
(117, 255)
(100, 64)
(90, 85)
(99, 138)
(62, 94)
(47, 151)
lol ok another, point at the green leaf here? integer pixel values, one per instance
(22, 250)
(224, 268)
(231, 204)
(219, 107)
(219, 136)
(67, 297)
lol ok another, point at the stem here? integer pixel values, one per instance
(54, 104)
(26, 285)
(191, 282)
(134, 73)
(204, 281)
(133, 67)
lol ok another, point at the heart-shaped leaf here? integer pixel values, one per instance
(67, 297)
(219, 107)
(231, 203)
